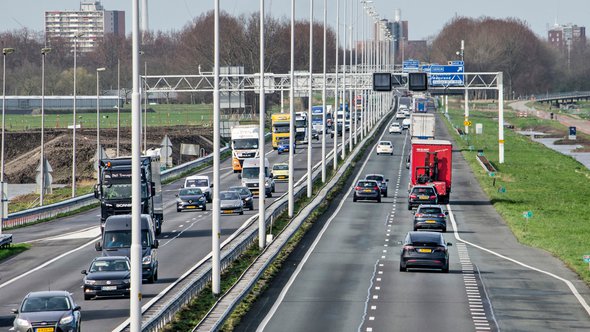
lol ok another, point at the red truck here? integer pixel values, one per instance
(431, 164)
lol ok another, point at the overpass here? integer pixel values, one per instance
(564, 97)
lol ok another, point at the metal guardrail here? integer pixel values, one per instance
(52, 210)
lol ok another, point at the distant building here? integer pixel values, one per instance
(567, 37)
(91, 23)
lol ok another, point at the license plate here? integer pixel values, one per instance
(423, 197)
(107, 288)
(44, 329)
(281, 177)
(191, 207)
(430, 221)
(227, 211)
(367, 190)
(425, 250)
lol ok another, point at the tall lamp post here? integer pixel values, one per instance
(76, 36)
(3, 200)
(44, 52)
(98, 152)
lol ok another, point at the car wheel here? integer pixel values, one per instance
(402, 269)
(204, 208)
(415, 229)
(444, 230)
(87, 297)
(409, 206)
(446, 268)
(159, 229)
(273, 189)
(251, 207)
(377, 153)
(241, 212)
(269, 195)
(152, 278)
(379, 199)
(354, 198)
(209, 199)
(279, 152)
(385, 193)
(178, 210)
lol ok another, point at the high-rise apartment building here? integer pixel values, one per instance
(567, 37)
(89, 24)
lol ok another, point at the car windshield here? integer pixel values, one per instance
(280, 167)
(280, 129)
(46, 303)
(430, 210)
(284, 142)
(366, 184)
(423, 191)
(395, 124)
(190, 192)
(228, 195)
(425, 238)
(102, 265)
(121, 191)
(122, 239)
(241, 190)
(197, 183)
(377, 178)
(385, 143)
(246, 143)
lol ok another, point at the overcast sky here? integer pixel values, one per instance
(426, 18)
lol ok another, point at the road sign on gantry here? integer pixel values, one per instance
(449, 75)
(411, 66)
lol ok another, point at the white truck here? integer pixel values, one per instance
(250, 173)
(244, 144)
(422, 126)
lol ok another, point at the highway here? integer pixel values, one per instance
(345, 277)
(64, 247)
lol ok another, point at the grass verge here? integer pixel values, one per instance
(554, 187)
(13, 249)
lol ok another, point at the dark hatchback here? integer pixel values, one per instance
(48, 311)
(367, 190)
(424, 250)
(107, 276)
(246, 195)
(422, 195)
(191, 199)
(430, 217)
(381, 180)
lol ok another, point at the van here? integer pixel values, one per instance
(202, 182)
(249, 176)
(116, 241)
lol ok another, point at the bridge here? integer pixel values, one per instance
(564, 97)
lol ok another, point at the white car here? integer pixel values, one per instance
(400, 115)
(406, 113)
(385, 147)
(406, 123)
(395, 128)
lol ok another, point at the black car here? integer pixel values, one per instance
(381, 180)
(47, 311)
(430, 217)
(107, 276)
(315, 135)
(367, 190)
(191, 198)
(246, 196)
(422, 195)
(424, 250)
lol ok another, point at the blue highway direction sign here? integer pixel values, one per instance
(449, 75)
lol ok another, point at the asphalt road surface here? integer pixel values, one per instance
(345, 276)
(64, 247)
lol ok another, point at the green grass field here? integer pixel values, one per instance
(553, 186)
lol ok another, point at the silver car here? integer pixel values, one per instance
(231, 202)
(47, 311)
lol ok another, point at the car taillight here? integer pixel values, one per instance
(440, 249)
(432, 197)
(441, 215)
(376, 188)
(408, 248)
(418, 215)
(357, 188)
(413, 196)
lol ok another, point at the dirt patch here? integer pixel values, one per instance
(22, 149)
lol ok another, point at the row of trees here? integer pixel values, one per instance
(530, 66)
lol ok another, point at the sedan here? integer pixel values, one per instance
(190, 199)
(406, 123)
(430, 217)
(231, 202)
(107, 276)
(47, 311)
(395, 128)
(280, 171)
(367, 190)
(385, 147)
(422, 195)
(400, 115)
(424, 250)
(246, 195)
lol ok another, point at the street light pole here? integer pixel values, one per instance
(215, 229)
(291, 200)
(44, 51)
(118, 102)
(324, 125)
(336, 102)
(344, 87)
(3, 200)
(262, 153)
(98, 152)
(309, 119)
(78, 35)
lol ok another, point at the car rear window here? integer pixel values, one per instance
(385, 143)
(430, 210)
(423, 191)
(377, 178)
(366, 184)
(426, 238)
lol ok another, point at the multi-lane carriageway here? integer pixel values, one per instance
(347, 278)
(64, 247)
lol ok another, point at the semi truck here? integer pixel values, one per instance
(280, 128)
(244, 144)
(422, 125)
(431, 164)
(114, 189)
(317, 117)
(301, 134)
